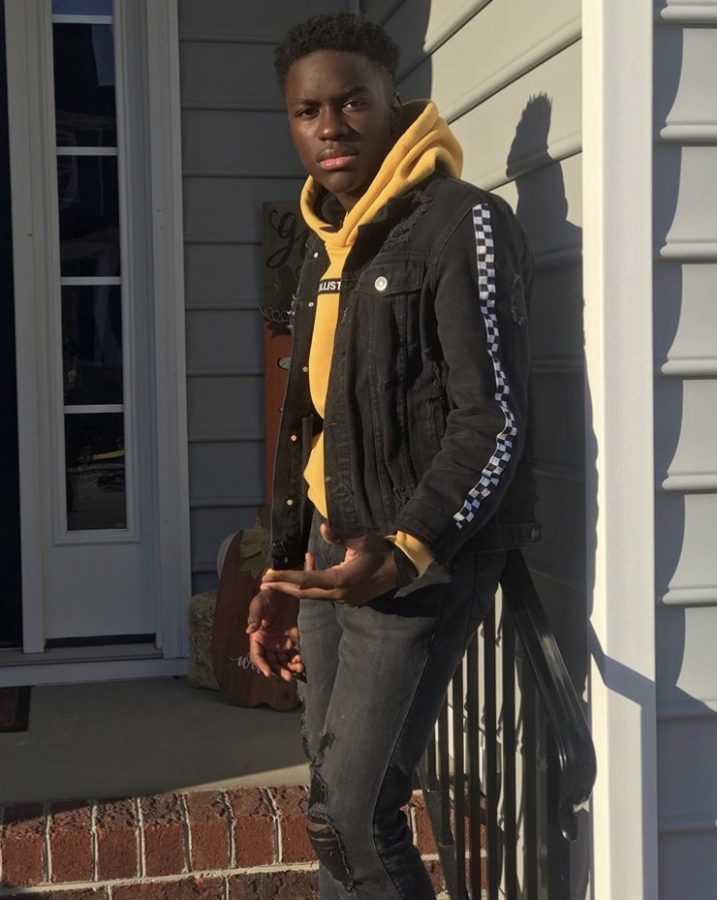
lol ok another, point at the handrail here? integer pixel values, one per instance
(570, 732)
(483, 808)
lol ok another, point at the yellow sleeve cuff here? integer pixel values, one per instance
(415, 550)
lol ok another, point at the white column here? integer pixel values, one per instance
(617, 188)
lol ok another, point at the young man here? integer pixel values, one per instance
(400, 478)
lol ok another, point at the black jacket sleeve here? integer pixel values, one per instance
(481, 278)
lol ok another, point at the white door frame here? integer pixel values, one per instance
(28, 60)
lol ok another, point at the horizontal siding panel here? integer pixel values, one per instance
(533, 121)
(686, 536)
(203, 582)
(564, 605)
(687, 12)
(223, 273)
(248, 17)
(211, 526)
(556, 327)
(548, 202)
(225, 340)
(420, 26)
(685, 647)
(479, 60)
(681, 101)
(380, 10)
(227, 73)
(685, 433)
(225, 406)
(685, 313)
(685, 214)
(688, 866)
(252, 144)
(686, 776)
(231, 208)
(231, 469)
(561, 512)
(558, 415)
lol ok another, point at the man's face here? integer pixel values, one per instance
(342, 118)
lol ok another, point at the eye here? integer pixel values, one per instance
(305, 112)
(355, 103)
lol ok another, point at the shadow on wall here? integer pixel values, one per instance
(412, 40)
(558, 404)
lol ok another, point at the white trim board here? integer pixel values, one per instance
(617, 254)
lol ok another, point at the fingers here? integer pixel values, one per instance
(273, 656)
(256, 655)
(312, 578)
(256, 608)
(307, 593)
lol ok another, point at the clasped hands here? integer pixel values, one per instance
(367, 571)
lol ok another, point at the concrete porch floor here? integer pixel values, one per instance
(147, 736)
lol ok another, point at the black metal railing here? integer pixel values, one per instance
(512, 760)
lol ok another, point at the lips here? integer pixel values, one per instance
(336, 158)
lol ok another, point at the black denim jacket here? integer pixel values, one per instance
(427, 406)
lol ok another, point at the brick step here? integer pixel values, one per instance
(210, 845)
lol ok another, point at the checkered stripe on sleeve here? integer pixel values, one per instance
(490, 476)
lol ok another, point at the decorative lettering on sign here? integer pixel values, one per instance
(289, 238)
(243, 662)
(285, 236)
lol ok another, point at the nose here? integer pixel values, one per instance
(331, 123)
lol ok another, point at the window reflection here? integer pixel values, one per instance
(95, 471)
(92, 344)
(89, 215)
(84, 68)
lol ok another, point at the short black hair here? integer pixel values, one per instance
(348, 32)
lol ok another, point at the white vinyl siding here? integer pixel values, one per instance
(685, 332)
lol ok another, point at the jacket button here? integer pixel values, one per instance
(286, 559)
(304, 368)
(381, 283)
(316, 254)
(311, 304)
(290, 502)
(294, 438)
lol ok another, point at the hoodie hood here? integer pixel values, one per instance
(425, 141)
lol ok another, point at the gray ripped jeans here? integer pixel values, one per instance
(376, 677)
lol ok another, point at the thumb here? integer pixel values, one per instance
(254, 616)
(328, 535)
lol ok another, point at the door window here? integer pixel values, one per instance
(91, 272)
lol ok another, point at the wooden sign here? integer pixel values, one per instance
(285, 236)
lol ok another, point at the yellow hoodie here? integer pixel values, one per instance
(425, 141)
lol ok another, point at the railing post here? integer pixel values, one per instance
(474, 788)
(491, 780)
(509, 788)
(459, 804)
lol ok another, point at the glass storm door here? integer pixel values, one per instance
(101, 553)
